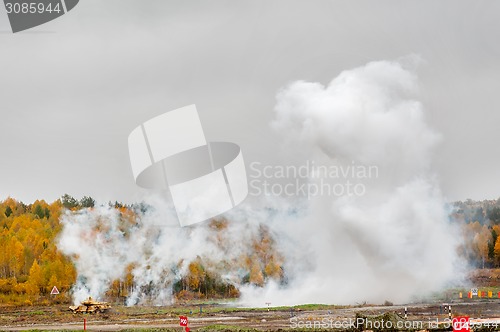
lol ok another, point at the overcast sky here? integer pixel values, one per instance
(73, 89)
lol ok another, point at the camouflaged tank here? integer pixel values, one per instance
(90, 306)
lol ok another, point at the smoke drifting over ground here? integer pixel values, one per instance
(393, 242)
(104, 245)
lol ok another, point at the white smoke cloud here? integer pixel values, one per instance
(99, 249)
(393, 242)
(103, 244)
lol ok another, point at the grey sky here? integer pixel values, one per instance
(72, 90)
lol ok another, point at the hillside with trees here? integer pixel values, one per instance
(30, 263)
(480, 225)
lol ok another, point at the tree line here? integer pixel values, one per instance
(31, 264)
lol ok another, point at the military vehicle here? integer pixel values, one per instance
(90, 306)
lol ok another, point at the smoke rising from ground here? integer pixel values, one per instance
(393, 242)
(105, 243)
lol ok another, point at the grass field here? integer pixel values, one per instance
(227, 315)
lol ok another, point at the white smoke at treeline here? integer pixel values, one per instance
(104, 244)
(392, 242)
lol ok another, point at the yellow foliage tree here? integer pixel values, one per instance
(481, 240)
(256, 276)
(196, 275)
(35, 279)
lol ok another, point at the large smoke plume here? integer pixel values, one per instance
(393, 242)
(104, 245)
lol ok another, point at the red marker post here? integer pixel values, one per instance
(183, 321)
(461, 324)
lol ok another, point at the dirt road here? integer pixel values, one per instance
(43, 318)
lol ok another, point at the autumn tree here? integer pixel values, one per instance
(481, 241)
(196, 275)
(35, 279)
(256, 276)
(273, 270)
(497, 252)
